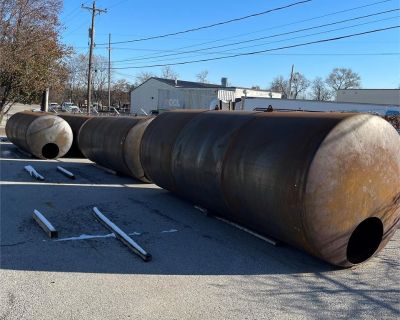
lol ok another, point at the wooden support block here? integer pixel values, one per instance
(121, 235)
(31, 170)
(110, 171)
(266, 239)
(65, 172)
(45, 224)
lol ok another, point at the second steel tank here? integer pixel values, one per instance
(114, 142)
(323, 182)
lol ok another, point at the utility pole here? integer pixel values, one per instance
(91, 35)
(109, 71)
(290, 83)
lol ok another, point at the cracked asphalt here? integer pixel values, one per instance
(202, 268)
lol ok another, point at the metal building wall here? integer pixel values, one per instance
(185, 98)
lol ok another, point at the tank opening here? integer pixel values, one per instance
(365, 240)
(50, 151)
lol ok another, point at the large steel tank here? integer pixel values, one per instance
(75, 122)
(158, 142)
(326, 183)
(43, 135)
(198, 155)
(114, 142)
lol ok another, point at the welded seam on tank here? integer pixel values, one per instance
(144, 177)
(174, 145)
(228, 150)
(123, 147)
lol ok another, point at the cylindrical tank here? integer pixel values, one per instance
(199, 152)
(43, 135)
(114, 142)
(326, 183)
(75, 122)
(157, 145)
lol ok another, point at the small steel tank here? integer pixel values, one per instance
(114, 142)
(158, 142)
(75, 122)
(43, 135)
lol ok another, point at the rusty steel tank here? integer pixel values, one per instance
(326, 183)
(44, 135)
(114, 142)
(75, 122)
(158, 142)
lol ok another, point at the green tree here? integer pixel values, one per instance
(31, 55)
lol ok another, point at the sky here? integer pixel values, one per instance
(374, 56)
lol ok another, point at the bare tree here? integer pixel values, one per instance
(299, 84)
(319, 90)
(100, 78)
(120, 92)
(77, 78)
(202, 76)
(279, 84)
(168, 73)
(343, 78)
(256, 87)
(142, 77)
(31, 56)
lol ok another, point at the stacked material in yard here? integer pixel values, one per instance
(327, 183)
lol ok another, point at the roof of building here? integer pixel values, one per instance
(196, 85)
(187, 84)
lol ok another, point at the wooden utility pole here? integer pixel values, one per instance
(290, 83)
(91, 35)
(109, 71)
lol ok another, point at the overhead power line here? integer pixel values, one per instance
(212, 25)
(259, 38)
(271, 28)
(271, 42)
(264, 51)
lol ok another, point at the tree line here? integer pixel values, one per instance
(321, 89)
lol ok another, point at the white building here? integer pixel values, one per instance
(376, 96)
(251, 104)
(167, 94)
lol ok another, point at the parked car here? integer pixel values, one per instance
(69, 107)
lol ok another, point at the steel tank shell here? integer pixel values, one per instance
(158, 142)
(75, 122)
(43, 135)
(198, 155)
(326, 183)
(113, 142)
(132, 147)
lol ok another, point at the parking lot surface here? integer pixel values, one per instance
(202, 268)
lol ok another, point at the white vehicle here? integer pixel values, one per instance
(69, 107)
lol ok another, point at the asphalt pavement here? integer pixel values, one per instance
(202, 268)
